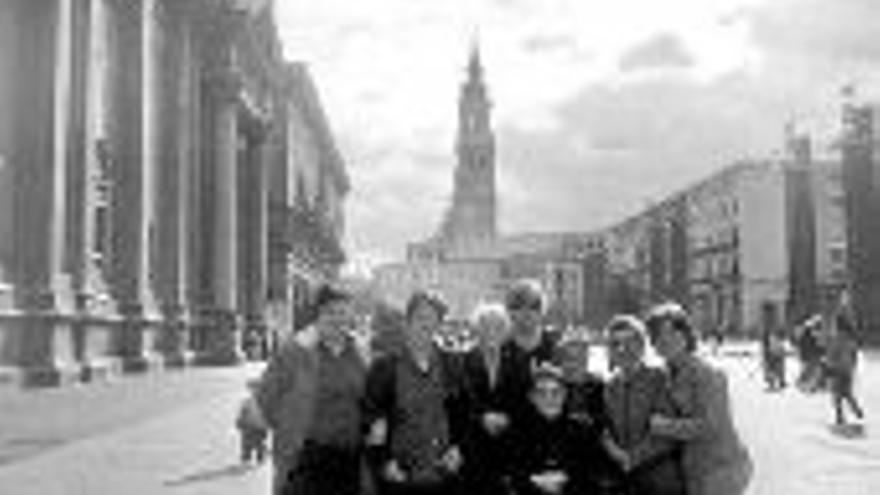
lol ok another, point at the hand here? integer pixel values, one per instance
(452, 459)
(378, 434)
(660, 425)
(393, 473)
(623, 459)
(550, 481)
(495, 422)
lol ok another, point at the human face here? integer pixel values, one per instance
(548, 396)
(423, 323)
(625, 349)
(526, 318)
(492, 331)
(335, 320)
(669, 343)
(575, 359)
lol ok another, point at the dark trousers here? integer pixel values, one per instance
(323, 470)
(253, 444)
(841, 392)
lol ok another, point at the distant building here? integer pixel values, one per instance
(861, 182)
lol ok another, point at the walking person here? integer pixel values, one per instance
(486, 440)
(649, 464)
(841, 361)
(414, 410)
(311, 396)
(714, 460)
(810, 354)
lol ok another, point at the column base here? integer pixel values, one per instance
(11, 376)
(51, 375)
(101, 369)
(222, 339)
(182, 359)
(144, 363)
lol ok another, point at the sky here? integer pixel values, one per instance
(599, 107)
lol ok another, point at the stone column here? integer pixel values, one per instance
(252, 232)
(174, 51)
(37, 335)
(224, 340)
(134, 230)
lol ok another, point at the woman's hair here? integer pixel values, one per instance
(676, 316)
(525, 293)
(423, 297)
(489, 311)
(626, 323)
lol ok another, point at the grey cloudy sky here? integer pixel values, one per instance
(599, 106)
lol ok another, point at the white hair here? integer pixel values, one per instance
(489, 311)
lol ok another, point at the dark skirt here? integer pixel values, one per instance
(323, 470)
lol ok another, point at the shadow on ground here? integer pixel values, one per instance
(212, 474)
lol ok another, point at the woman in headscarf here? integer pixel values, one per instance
(649, 465)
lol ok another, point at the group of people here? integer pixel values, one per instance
(519, 414)
(828, 350)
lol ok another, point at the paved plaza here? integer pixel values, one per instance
(172, 434)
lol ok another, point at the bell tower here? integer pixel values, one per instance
(473, 215)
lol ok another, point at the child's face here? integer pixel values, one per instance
(548, 396)
(575, 358)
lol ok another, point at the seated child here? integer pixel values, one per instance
(552, 453)
(251, 427)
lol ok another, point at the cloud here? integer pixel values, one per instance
(598, 106)
(662, 51)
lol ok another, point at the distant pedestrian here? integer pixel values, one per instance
(252, 427)
(810, 353)
(841, 360)
(773, 358)
(714, 460)
(311, 395)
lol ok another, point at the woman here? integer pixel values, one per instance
(487, 421)
(310, 396)
(411, 406)
(649, 465)
(714, 460)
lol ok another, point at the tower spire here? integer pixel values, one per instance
(475, 65)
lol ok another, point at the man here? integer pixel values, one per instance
(311, 396)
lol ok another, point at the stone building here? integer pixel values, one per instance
(739, 268)
(861, 183)
(133, 171)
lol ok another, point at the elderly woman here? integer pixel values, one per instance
(488, 421)
(415, 428)
(714, 460)
(649, 465)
